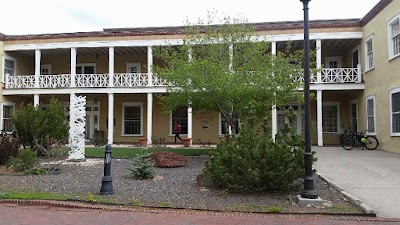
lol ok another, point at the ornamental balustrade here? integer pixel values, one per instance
(328, 76)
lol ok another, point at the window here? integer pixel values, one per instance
(181, 116)
(369, 53)
(298, 120)
(371, 114)
(395, 111)
(224, 125)
(394, 36)
(9, 67)
(45, 69)
(86, 68)
(330, 117)
(132, 118)
(6, 117)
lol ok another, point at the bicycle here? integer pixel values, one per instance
(351, 139)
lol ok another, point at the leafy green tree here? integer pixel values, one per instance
(226, 68)
(40, 129)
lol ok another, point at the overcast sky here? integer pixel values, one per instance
(58, 16)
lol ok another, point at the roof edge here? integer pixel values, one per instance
(375, 11)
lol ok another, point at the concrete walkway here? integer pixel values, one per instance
(371, 176)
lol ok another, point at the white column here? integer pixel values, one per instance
(37, 67)
(359, 73)
(319, 63)
(190, 124)
(319, 118)
(274, 113)
(110, 119)
(149, 118)
(35, 100)
(111, 66)
(149, 65)
(71, 119)
(73, 66)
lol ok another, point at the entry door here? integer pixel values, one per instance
(86, 69)
(45, 69)
(133, 68)
(355, 58)
(354, 115)
(92, 120)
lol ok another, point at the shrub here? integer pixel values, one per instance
(9, 147)
(98, 141)
(253, 162)
(25, 160)
(142, 167)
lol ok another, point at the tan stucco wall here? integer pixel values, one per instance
(384, 77)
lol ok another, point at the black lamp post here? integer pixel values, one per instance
(106, 184)
(308, 191)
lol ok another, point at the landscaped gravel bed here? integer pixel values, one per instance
(172, 187)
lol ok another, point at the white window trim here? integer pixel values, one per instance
(392, 91)
(355, 101)
(369, 38)
(366, 113)
(8, 57)
(47, 66)
(5, 103)
(390, 43)
(171, 134)
(220, 127)
(138, 65)
(87, 64)
(338, 113)
(124, 104)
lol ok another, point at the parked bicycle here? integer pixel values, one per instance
(351, 139)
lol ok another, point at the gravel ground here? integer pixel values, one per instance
(172, 187)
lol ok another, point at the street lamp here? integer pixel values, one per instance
(308, 191)
(106, 183)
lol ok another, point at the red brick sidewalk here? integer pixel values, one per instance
(82, 214)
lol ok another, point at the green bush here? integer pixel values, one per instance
(253, 162)
(142, 167)
(9, 147)
(25, 160)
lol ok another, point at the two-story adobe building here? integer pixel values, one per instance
(357, 85)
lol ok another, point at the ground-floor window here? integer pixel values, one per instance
(330, 117)
(370, 114)
(395, 111)
(224, 125)
(298, 122)
(132, 118)
(6, 110)
(179, 115)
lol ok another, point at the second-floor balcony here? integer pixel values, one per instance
(127, 80)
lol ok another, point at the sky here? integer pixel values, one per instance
(64, 16)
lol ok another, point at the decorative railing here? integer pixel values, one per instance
(20, 81)
(55, 81)
(130, 79)
(91, 80)
(327, 76)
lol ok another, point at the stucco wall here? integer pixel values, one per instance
(380, 80)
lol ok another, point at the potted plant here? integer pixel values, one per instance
(186, 142)
(143, 142)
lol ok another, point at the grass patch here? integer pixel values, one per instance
(132, 152)
(36, 195)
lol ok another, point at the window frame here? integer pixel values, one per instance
(370, 97)
(7, 57)
(391, 54)
(171, 133)
(128, 104)
(393, 91)
(220, 125)
(367, 40)
(5, 103)
(337, 104)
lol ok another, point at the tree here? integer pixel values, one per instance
(226, 68)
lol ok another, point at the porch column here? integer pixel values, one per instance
(149, 118)
(318, 42)
(35, 100)
(111, 66)
(73, 66)
(110, 118)
(319, 118)
(149, 65)
(359, 73)
(37, 67)
(274, 113)
(190, 124)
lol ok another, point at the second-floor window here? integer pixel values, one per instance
(9, 67)
(394, 38)
(369, 53)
